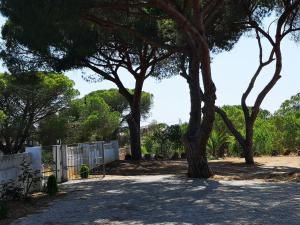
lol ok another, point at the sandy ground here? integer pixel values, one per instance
(171, 199)
(285, 168)
(158, 192)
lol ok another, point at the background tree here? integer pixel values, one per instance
(287, 13)
(118, 103)
(163, 140)
(65, 40)
(87, 119)
(194, 23)
(287, 124)
(25, 100)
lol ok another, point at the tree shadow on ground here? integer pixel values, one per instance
(174, 200)
(223, 170)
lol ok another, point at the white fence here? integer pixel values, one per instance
(92, 154)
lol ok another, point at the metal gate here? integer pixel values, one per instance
(90, 154)
(50, 162)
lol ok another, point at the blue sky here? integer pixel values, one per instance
(231, 73)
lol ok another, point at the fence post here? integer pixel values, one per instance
(115, 145)
(57, 154)
(64, 163)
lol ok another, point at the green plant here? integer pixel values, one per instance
(144, 150)
(147, 156)
(175, 156)
(84, 171)
(183, 155)
(52, 187)
(3, 210)
(28, 178)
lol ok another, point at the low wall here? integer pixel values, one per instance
(12, 167)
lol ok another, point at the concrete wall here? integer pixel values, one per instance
(93, 154)
(11, 169)
(111, 152)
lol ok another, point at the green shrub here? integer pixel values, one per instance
(52, 187)
(147, 156)
(183, 155)
(175, 156)
(3, 210)
(144, 150)
(84, 171)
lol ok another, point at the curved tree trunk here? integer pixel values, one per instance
(196, 138)
(134, 119)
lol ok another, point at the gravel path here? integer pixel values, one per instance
(172, 200)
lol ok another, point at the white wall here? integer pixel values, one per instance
(11, 169)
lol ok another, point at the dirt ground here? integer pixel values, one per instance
(22, 208)
(281, 168)
(266, 169)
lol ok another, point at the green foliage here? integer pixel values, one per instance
(163, 140)
(28, 98)
(52, 129)
(144, 150)
(84, 171)
(118, 103)
(287, 125)
(28, 178)
(87, 119)
(2, 117)
(280, 131)
(217, 142)
(52, 187)
(3, 210)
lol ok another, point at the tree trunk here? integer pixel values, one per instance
(134, 120)
(196, 138)
(248, 153)
(248, 146)
(135, 136)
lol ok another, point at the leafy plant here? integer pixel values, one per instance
(216, 143)
(84, 171)
(52, 187)
(28, 178)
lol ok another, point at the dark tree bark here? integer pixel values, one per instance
(285, 25)
(134, 120)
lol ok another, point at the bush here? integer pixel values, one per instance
(128, 157)
(147, 156)
(183, 155)
(275, 153)
(52, 187)
(144, 150)
(287, 152)
(159, 157)
(3, 210)
(175, 156)
(84, 171)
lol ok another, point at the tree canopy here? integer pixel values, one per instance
(26, 99)
(118, 103)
